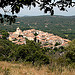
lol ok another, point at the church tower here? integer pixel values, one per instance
(18, 29)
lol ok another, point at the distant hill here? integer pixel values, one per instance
(63, 26)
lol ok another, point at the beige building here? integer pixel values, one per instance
(18, 37)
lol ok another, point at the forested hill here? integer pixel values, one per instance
(63, 26)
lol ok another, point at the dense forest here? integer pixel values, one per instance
(63, 26)
(33, 53)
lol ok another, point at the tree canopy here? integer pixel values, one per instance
(47, 5)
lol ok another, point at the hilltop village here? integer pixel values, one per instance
(46, 39)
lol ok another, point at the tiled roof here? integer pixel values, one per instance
(42, 36)
(30, 35)
(0, 35)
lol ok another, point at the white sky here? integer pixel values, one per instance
(36, 11)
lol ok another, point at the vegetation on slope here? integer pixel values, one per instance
(10, 68)
(63, 26)
(31, 52)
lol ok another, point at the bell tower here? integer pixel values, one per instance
(18, 29)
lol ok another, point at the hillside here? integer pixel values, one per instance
(63, 26)
(7, 68)
(31, 58)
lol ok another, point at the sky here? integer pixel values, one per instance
(36, 11)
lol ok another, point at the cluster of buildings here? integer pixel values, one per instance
(46, 39)
(0, 36)
(17, 37)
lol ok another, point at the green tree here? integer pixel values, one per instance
(70, 55)
(5, 34)
(5, 49)
(57, 44)
(35, 34)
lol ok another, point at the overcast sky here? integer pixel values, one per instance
(36, 11)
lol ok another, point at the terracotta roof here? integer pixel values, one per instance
(30, 35)
(12, 36)
(0, 35)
